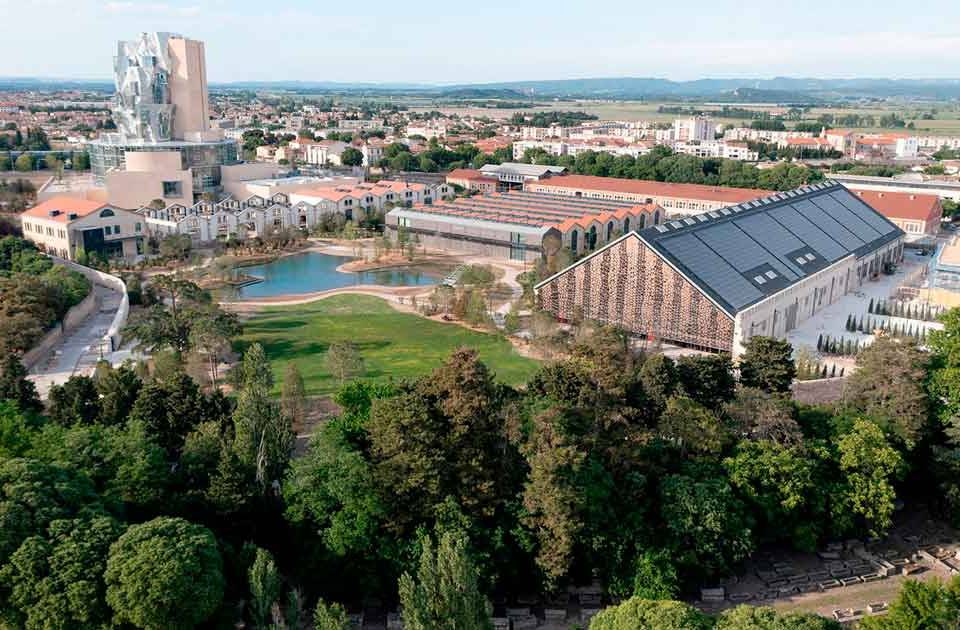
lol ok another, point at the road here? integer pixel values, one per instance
(79, 351)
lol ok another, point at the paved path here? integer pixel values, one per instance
(78, 352)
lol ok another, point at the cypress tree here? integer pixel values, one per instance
(833, 370)
(847, 325)
(860, 325)
(870, 307)
(820, 342)
(841, 370)
(824, 373)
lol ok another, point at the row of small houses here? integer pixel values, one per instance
(256, 215)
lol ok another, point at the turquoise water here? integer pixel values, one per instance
(312, 271)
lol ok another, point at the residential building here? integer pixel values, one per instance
(715, 280)
(428, 130)
(732, 149)
(695, 128)
(917, 215)
(676, 199)
(303, 208)
(66, 226)
(473, 180)
(519, 225)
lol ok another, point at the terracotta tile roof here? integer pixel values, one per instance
(64, 206)
(651, 188)
(900, 205)
(469, 174)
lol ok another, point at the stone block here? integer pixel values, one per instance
(555, 614)
(526, 622)
(519, 611)
(826, 585)
(876, 607)
(500, 623)
(717, 594)
(849, 581)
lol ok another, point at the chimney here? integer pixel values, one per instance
(72, 216)
(54, 213)
(879, 194)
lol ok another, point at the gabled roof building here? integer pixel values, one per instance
(714, 280)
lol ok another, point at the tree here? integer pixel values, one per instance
(692, 427)
(170, 409)
(655, 576)
(786, 488)
(866, 494)
(24, 162)
(706, 523)
(745, 617)
(211, 330)
(658, 375)
(644, 614)
(762, 416)
(293, 398)
(888, 388)
(445, 595)
(351, 157)
(330, 617)
(331, 490)
(264, 582)
(14, 385)
(118, 389)
(33, 494)
(165, 573)
(931, 604)
(343, 361)
(767, 364)
(254, 370)
(74, 402)
(55, 579)
(707, 379)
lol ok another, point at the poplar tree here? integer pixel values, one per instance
(445, 594)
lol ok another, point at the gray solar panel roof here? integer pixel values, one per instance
(740, 258)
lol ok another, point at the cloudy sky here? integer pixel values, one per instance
(429, 41)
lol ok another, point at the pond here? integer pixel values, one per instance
(313, 271)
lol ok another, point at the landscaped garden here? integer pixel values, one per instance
(390, 343)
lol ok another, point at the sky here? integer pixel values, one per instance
(434, 42)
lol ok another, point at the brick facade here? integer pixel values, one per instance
(630, 286)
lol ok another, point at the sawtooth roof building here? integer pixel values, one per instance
(714, 280)
(676, 199)
(521, 225)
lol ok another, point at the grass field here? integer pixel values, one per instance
(393, 344)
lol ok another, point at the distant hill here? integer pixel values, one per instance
(793, 88)
(778, 89)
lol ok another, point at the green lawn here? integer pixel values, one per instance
(393, 344)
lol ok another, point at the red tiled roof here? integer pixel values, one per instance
(651, 188)
(469, 174)
(66, 206)
(900, 205)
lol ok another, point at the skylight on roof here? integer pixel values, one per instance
(689, 221)
(712, 214)
(801, 260)
(675, 224)
(725, 212)
(809, 256)
(770, 275)
(702, 218)
(661, 228)
(759, 280)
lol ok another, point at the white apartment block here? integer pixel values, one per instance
(259, 216)
(429, 130)
(935, 143)
(763, 135)
(693, 128)
(717, 149)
